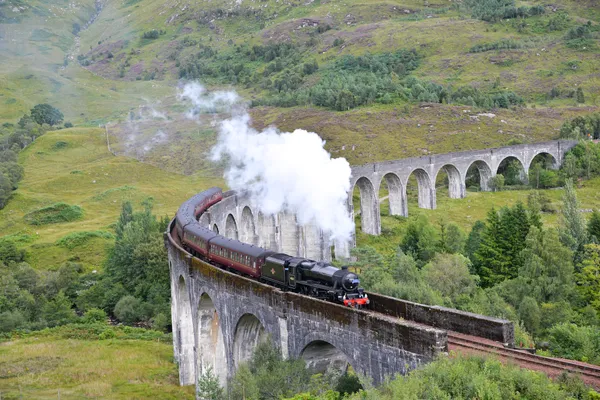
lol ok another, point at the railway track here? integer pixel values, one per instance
(553, 367)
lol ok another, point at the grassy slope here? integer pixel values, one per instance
(86, 174)
(51, 367)
(376, 132)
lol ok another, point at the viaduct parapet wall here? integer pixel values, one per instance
(370, 177)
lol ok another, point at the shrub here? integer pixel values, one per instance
(575, 342)
(55, 213)
(496, 183)
(160, 322)
(504, 44)
(9, 252)
(495, 10)
(94, 315)
(153, 34)
(128, 309)
(11, 320)
(108, 333)
(76, 239)
(579, 32)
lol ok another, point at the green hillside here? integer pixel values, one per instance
(73, 166)
(414, 74)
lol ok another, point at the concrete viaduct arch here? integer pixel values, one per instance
(370, 177)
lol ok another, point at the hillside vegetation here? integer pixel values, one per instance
(411, 75)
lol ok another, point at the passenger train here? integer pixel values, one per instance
(314, 278)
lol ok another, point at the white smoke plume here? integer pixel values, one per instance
(282, 171)
(204, 101)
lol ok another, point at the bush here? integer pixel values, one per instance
(128, 310)
(496, 183)
(68, 124)
(108, 333)
(94, 315)
(495, 10)
(153, 34)
(75, 239)
(469, 378)
(160, 322)
(55, 213)
(11, 320)
(575, 342)
(9, 252)
(504, 44)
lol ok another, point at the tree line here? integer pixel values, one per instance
(133, 287)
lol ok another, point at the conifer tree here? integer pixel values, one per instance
(491, 260)
(580, 96)
(593, 226)
(474, 239)
(516, 224)
(547, 271)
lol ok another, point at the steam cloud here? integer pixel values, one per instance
(282, 171)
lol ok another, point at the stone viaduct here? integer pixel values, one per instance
(370, 177)
(219, 318)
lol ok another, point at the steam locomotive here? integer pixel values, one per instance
(313, 278)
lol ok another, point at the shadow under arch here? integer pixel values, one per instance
(539, 177)
(231, 229)
(456, 187)
(215, 229)
(249, 333)
(323, 357)
(547, 161)
(513, 170)
(369, 206)
(248, 229)
(396, 194)
(185, 334)
(426, 194)
(211, 346)
(483, 170)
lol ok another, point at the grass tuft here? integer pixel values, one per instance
(76, 239)
(53, 214)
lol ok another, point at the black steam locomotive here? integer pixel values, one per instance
(313, 278)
